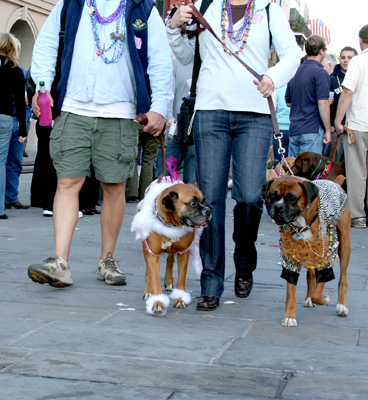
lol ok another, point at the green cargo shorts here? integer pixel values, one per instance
(109, 144)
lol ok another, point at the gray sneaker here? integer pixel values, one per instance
(55, 271)
(359, 223)
(108, 271)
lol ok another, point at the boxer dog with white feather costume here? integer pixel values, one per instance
(171, 219)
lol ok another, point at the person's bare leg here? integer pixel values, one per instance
(66, 207)
(112, 214)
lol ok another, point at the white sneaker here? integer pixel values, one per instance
(47, 213)
(80, 214)
(108, 271)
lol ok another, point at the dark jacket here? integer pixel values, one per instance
(336, 87)
(12, 95)
(135, 10)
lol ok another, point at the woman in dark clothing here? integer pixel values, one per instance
(12, 102)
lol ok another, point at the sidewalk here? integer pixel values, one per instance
(76, 343)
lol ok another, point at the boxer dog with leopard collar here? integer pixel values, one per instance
(314, 221)
(171, 219)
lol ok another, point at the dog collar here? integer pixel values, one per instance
(319, 164)
(299, 230)
(325, 172)
(159, 216)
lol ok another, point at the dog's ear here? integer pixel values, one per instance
(310, 190)
(168, 201)
(266, 187)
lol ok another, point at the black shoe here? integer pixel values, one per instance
(96, 211)
(208, 303)
(4, 216)
(243, 287)
(25, 154)
(88, 212)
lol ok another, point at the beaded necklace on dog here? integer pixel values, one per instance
(117, 37)
(235, 35)
(321, 256)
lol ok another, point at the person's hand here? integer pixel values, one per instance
(169, 122)
(22, 139)
(36, 110)
(339, 128)
(182, 14)
(265, 86)
(155, 123)
(327, 137)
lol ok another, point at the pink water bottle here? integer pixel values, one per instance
(45, 106)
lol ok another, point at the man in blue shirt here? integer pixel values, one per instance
(116, 63)
(307, 94)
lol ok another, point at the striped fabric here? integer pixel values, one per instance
(319, 28)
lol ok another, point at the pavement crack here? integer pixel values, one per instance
(282, 384)
(358, 338)
(228, 344)
(11, 344)
(170, 396)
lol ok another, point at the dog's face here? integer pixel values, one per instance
(187, 205)
(305, 164)
(288, 197)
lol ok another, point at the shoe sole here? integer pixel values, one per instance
(206, 308)
(112, 283)
(41, 278)
(242, 296)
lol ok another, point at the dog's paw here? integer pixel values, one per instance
(169, 288)
(146, 296)
(308, 303)
(157, 305)
(179, 303)
(327, 298)
(181, 298)
(289, 322)
(342, 310)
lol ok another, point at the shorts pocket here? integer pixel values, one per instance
(55, 136)
(129, 141)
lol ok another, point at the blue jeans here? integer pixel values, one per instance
(184, 154)
(218, 135)
(6, 128)
(306, 142)
(14, 165)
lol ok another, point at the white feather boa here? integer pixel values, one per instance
(145, 222)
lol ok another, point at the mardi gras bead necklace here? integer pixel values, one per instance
(235, 35)
(117, 37)
(323, 256)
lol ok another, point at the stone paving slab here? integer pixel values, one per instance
(325, 386)
(148, 373)
(348, 360)
(159, 344)
(53, 389)
(307, 333)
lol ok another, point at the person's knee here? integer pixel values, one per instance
(70, 183)
(114, 189)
